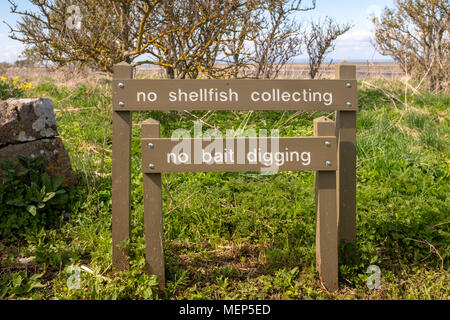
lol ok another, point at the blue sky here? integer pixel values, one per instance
(353, 46)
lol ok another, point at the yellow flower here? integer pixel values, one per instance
(16, 78)
(3, 79)
(26, 85)
(14, 82)
(43, 94)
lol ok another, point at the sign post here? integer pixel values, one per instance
(153, 220)
(121, 176)
(331, 152)
(346, 173)
(326, 215)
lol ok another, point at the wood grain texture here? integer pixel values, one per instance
(291, 153)
(153, 218)
(121, 174)
(346, 173)
(241, 101)
(326, 217)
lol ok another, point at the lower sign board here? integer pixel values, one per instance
(238, 154)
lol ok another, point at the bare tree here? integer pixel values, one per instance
(237, 55)
(212, 32)
(229, 37)
(110, 30)
(189, 38)
(320, 40)
(186, 37)
(415, 33)
(279, 39)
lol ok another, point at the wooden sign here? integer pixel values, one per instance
(307, 95)
(239, 154)
(331, 153)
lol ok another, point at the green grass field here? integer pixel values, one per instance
(245, 235)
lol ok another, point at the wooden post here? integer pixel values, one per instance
(153, 221)
(346, 173)
(121, 174)
(326, 216)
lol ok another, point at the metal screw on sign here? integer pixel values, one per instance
(121, 104)
(328, 143)
(349, 104)
(121, 85)
(328, 163)
(151, 145)
(348, 85)
(151, 166)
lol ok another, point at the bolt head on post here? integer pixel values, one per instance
(151, 166)
(348, 85)
(151, 145)
(121, 85)
(121, 104)
(348, 104)
(328, 163)
(328, 143)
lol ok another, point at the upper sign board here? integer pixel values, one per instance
(306, 95)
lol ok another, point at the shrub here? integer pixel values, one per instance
(29, 198)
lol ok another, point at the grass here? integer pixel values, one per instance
(244, 235)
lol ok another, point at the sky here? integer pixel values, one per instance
(355, 45)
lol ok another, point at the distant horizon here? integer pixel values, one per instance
(295, 61)
(385, 60)
(305, 61)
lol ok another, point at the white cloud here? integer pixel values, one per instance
(11, 53)
(356, 36)
(355, 45)
(355, 42)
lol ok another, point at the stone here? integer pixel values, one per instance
(56, 159)
(24, 120)
(28, 128)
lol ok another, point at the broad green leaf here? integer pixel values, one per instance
(48, 196)
(57, 182)
(32, 210)
(16, 202)
(46, 181)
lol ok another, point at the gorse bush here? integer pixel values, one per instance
(29, 198)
